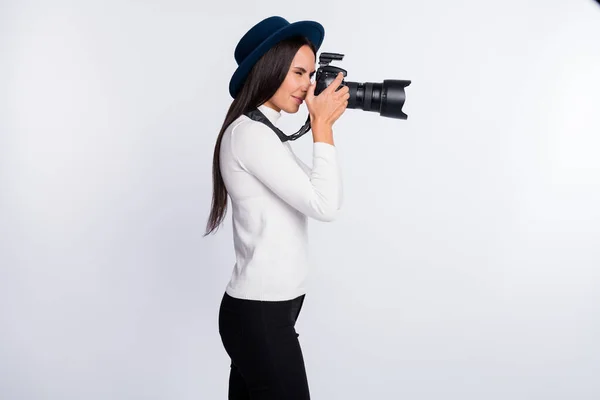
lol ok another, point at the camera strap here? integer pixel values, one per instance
(257, 115)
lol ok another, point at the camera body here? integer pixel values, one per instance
(327, 73)
(386, 98)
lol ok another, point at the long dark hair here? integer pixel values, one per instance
(261, 84)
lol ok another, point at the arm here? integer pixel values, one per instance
(307, 170)
(260, 153)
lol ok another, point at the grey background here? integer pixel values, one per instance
(465, 264)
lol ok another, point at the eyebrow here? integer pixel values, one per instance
(303, 70)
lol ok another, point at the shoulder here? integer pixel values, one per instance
(246, 129)
(246, 124)
(254, 145)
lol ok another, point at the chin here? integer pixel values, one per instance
(292, 110)
(296, 107)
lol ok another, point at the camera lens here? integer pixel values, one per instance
(386, 98)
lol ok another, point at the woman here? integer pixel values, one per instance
(273, 193)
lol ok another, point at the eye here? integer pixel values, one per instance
(299, 73)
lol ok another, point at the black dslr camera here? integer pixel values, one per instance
(386, 98)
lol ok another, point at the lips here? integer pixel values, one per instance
(298, 100)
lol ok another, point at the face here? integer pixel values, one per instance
(292, 91)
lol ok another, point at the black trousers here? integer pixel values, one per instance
(262, 342)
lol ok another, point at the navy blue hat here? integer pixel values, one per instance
(264, 35)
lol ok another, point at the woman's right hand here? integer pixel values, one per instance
(329, 105)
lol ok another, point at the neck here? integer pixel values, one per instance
(272, 106)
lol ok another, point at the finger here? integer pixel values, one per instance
(344, 91)
(336, 82)
(310, 93)
(342, 97)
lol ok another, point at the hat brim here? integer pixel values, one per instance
(310, 29)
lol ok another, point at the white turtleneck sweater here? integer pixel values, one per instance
(272, 194)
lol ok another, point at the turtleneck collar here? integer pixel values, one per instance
(271, 114)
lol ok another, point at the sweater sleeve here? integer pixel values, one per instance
(307, 170)
(260, 153)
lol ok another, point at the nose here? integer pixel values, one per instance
(305, 85)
